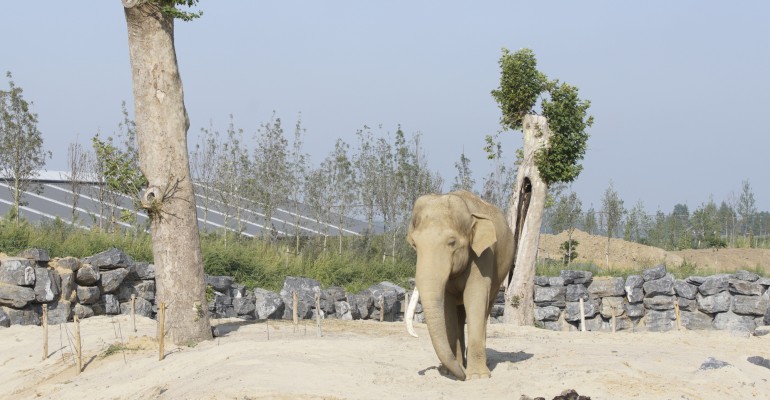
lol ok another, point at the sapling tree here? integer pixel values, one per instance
(21, 144)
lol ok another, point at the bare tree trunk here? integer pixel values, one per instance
(161, 123)
(525, 216)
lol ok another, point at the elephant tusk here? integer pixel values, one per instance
(409, 317)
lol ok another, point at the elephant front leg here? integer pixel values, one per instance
(476, 315)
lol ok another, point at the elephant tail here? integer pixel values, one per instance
(409, 316)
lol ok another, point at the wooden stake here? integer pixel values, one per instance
(294, 313)
(45, 331)
(678, 318)
(161, 330)
(318, 313)
(382, 309)
(267, 327)
(582, 316)
(133, 311)
(78, 348)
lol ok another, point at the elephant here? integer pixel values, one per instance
(464, 252)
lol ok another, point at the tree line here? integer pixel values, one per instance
(733, 222)
(375, 179)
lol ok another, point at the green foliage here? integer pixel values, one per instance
(521, 84)
(21, 143)
(119, 170)
(169, 8)
(569, 251)
(117, 348)
(566, 115)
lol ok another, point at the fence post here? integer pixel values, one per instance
(382, 309)
(78, 347)
(45, 331)
(678, 318)
(294, 312)
(161, 330)
(318, 313)
(133, 311)
(582, 316)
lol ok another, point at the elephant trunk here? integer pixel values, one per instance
(441, 318)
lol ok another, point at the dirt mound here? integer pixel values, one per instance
(623, 254)
(593, 249)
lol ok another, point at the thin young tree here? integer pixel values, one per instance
(746, 209)
(589, 221)
(367, 174)
(612, 214)
(77, 161)
(339, 169)
(297, 172)
(21, 144)
(567, 212)
(270, 173)
(464, 178)
(202, 162)
(233, 180)
(497, 186)
(161, 126)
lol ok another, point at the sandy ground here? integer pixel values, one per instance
(367, 360)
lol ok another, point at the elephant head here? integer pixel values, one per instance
(447, 235)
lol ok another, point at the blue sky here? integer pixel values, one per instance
(679, 89)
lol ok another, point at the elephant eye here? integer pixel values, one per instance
(452, 242)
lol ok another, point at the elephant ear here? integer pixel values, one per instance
(484, 235)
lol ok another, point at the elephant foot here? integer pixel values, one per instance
(478, 373)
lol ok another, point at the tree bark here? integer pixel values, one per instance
(525, 216)
(162, 124)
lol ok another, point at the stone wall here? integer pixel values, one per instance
(737, 302)
(104, 283)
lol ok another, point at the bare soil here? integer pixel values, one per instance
(629, 255)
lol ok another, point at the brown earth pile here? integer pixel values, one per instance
(623, 254)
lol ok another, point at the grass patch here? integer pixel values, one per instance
(251, 262)
(118, 348)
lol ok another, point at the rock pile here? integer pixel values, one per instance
(98, 285)
(232, 300)
(736, 302)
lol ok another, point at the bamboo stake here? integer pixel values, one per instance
(133, 311)
(78, 348)
(294, 313)
(582, 316)
(161, 330)
(318, 313)
(45, 331)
